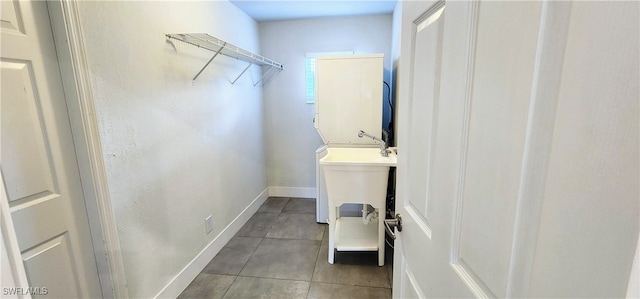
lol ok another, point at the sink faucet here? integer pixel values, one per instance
(383, 145)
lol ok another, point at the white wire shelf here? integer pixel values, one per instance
(218, 46)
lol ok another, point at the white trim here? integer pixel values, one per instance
(472, 30)
(633, 288)
(193, 268)
(412, 281)
(280, 191)
(13, 265)
(473, 282)
(67, 31)
(545, 89)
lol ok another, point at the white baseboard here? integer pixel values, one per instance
(306, 192)
(182, 280)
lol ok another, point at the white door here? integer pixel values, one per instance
(518, 161)
(38, 160)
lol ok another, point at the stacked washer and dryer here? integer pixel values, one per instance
(348, 99)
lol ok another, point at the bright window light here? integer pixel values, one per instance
(310, 73)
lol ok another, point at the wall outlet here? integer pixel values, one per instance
(208, 223)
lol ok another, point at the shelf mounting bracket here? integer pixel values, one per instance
(264, 75)
(245, 69)
(206, 65)
(218, 46)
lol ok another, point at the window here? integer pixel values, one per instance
(310, 65)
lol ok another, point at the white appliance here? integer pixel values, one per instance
(348, 99)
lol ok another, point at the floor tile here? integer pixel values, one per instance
(254, 287)
(390, 273)
(325, 235)
(296, 226)
(274, 204)
(285, 259)
(281, 252)
(331, 290)
(300, 206)
(388, 263)
(352, 268)
(208, 286)
(258, 225)
(233, 256)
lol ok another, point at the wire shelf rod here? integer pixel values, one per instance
(206, 41)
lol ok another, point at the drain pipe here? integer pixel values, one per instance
(367, 216)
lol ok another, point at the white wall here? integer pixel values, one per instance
(633, 288)
(290, 135)
(174, 152)
(396, 34)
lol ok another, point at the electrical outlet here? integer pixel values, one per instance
(208, 223)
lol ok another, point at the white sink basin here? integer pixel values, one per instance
(358, 157)
(356, 176)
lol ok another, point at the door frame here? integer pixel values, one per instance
(67, 32)
(65, 24)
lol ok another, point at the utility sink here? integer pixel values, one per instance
(358, 157)
(356, 176)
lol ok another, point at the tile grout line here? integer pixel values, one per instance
(273, 278)
(262, 240)
(352, 285)
(235, 278)
(252, 253)
(315, 264)
(317, 259)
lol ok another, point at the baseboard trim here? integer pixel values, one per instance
(306, 192)
(182, 280)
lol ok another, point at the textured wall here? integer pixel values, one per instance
(291, 138)
(174, 152)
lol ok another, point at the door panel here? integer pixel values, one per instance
(45, 210)
(518, 149)
(503, 72)
(11, 19)
(53, 254)
(28, 172)
(38, 159)
(420, 271)
(411, 288)
(592, 190)
(427, 42)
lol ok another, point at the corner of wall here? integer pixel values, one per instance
(195, 266)
(291, 136)
(162, 137)
(280, 191)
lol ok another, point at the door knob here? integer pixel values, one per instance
(390, 224)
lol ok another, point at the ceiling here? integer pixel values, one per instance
(279, 10)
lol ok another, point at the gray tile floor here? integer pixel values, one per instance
(281, 252)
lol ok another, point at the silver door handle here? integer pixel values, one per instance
(390, 224)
